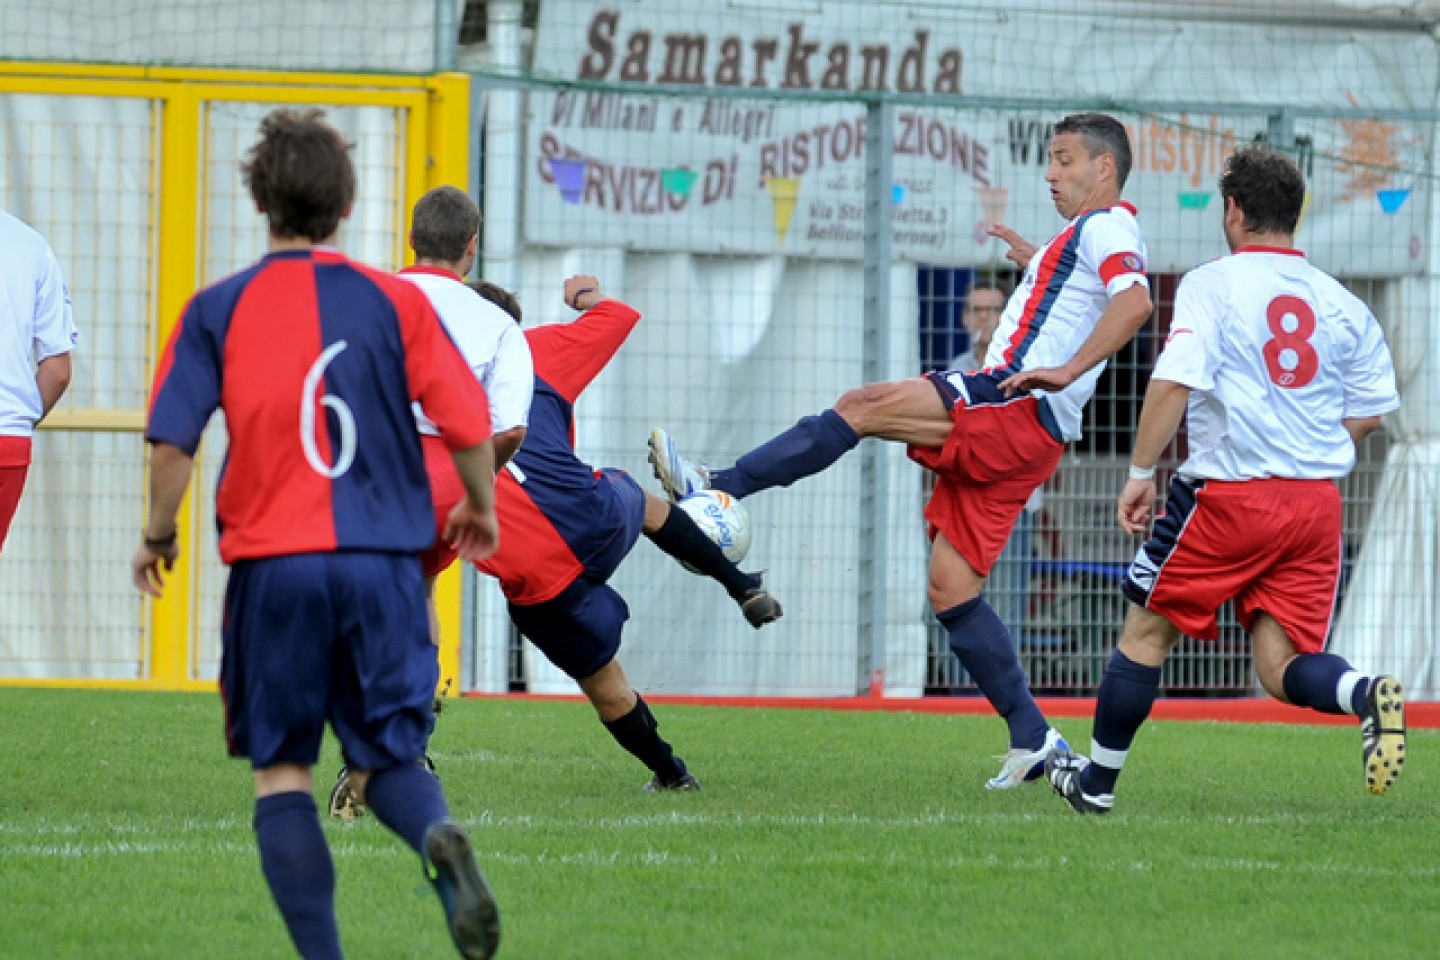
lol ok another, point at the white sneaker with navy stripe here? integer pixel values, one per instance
(1063, 769)
(1021, 766)
(678, 476)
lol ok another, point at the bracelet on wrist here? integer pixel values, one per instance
(1141, 473)
(160, 543)
(575, 300)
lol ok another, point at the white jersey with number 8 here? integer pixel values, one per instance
(1277, 354)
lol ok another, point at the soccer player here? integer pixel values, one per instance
(995, 434)
(35, 345)
(567, 527)
(323, 506)
(445, 235)
(1279, 372)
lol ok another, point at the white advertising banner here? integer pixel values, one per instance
(727, 174)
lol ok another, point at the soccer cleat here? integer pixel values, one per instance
(470, 908)
(685, 783)
(678, 476)
(343, 802)
(1022, 766)
(1382, 734)
(1063, 769)
(759, 605)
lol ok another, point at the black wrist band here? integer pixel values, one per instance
(160, 543)
(575, 300)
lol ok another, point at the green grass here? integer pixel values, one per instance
(125, 832)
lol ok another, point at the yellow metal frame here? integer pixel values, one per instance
(436, 120)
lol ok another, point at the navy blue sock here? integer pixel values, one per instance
(408, 800)
(1325, 682)
(296, 862)
(986, 652)
(682, 539)
(639, 733)
(1127, 692)
(810, 446)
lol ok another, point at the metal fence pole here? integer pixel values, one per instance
(875, 366)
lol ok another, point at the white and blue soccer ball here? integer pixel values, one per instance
(722, 519)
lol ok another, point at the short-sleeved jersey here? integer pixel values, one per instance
(315, 361)
(1065, 289)
(491, 342)
(1276, 354)
(546, 491)
(36, 322)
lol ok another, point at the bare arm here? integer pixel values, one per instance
(52, 376)
(1126, 313)
(472, 527)
(507, 442)
(170, 469)
(1160, 417)
(1360, 427)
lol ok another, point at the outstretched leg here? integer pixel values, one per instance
(674, 532)
(629, 720)
(906, 411)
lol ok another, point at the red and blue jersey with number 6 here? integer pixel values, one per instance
(1277, 355)
(555, 512)
(315, 360)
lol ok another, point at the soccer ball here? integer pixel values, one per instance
(722, 519)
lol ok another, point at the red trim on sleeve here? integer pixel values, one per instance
(1119, 264)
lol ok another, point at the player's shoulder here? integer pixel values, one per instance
(398, 291)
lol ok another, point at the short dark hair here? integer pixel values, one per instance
(1102, 134)
(299, 173)
(442, 224)
(497, 295)
(988, 281)
(1267, 186)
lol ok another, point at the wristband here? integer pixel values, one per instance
(160, 543)
(575, 300)
(1141, 473)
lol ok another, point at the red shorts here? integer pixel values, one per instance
(446, 490)
(1273, 546)
(14, 464)
(992, 461)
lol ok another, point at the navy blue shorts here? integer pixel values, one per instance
(343, 637)
(578, 630)
(629, 500)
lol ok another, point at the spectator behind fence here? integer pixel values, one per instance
(37, 333)
(323, 507)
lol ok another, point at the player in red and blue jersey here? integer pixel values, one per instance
(992, 436)
(323, 506)
(568, 526)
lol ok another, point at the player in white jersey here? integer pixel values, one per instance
(37, 333)
(994, 435)
(445, 235)
(1280, 372)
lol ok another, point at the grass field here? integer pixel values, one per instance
(125, 832)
